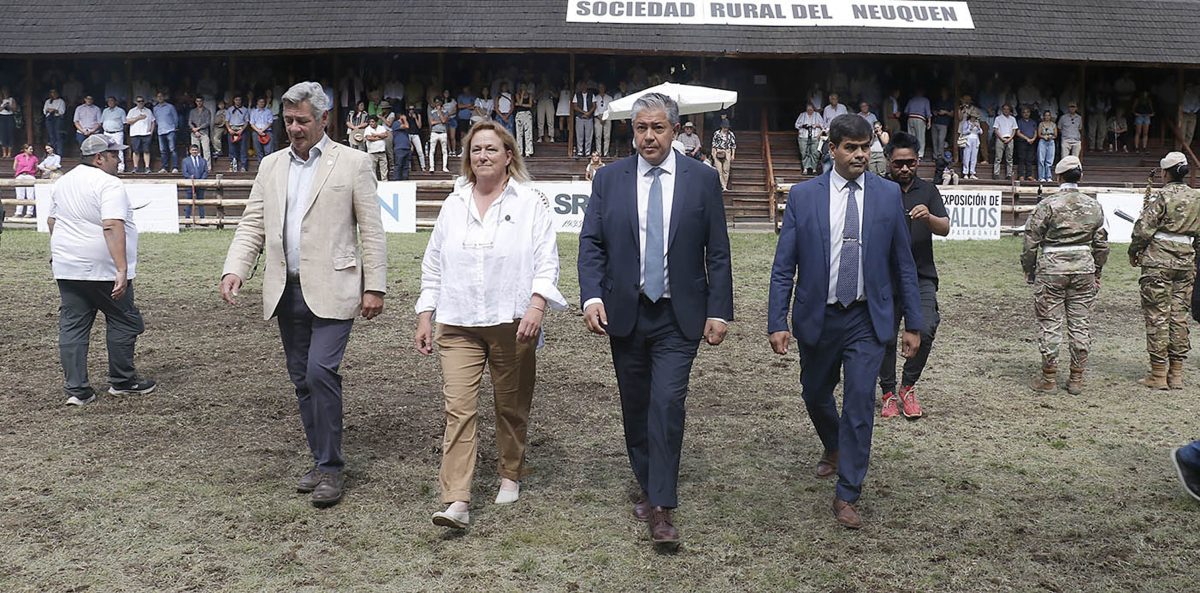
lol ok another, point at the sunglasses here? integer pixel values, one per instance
(902, 163)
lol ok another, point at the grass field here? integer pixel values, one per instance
(191, 488)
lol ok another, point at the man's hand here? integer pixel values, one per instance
(714, 331)
(423, 339)
(919, 212)
(911, 343)
(230, 284)
(120, 285)
(596, 319)
(779, 342)
(531, 324)
(372, 304)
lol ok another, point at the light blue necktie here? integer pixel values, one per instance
(655, 271)
(847, 285)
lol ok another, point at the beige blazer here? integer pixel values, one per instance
(343, 209)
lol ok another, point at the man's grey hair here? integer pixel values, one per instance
(312, 92)
(656, 102)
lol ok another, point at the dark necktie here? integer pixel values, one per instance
(655, 268)
(847, 285)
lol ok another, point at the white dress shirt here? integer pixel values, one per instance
(830, 112)
(300, 179)
(481, 270)
(839, 196)
(58, 105)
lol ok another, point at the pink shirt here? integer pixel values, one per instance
(25, 164)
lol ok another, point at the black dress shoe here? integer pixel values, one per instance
(308, 482)
(328, 491)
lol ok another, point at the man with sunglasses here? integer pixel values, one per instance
(926, 217)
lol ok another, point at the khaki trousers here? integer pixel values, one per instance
(464, 351)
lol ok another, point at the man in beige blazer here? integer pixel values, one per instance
(309, 209)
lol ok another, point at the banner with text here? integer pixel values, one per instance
(398, 206)
(568, 201)
(1121, 209)
(155, 206)
(973, 214)
(878, 13)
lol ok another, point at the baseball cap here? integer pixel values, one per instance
(98, 143)
(1066, 164)
(1172, 159)
(689, 125)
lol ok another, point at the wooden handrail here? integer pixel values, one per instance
(1178, 133)
(766, 150)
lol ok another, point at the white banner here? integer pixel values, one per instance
(1119, 206)
(907, 14)
(155, 206)
(398, 206)
(973, 214)
(568, 201)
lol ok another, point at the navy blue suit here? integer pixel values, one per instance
(653, 344)
(831, 336)
(192, 170)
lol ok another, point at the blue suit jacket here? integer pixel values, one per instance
(802, 261)
(697, 247)
(191, 171)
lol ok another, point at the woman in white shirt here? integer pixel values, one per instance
(484, 106)
(968, 139)
(490, 270)
(51, 166)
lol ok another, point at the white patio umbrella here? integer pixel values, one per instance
(691, 99)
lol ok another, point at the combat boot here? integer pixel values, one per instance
(1047, 381)
(1157, 377)
(1175, 374)
(1075, 382)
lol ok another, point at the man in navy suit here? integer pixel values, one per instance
(194, 167)
(654, 276)
(843, 244)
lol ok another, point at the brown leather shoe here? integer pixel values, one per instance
(662, 531)
(308, 482)
(846, 514)
(641, 508)
(827, 466)
(329, 490)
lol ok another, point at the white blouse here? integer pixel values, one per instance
(481, 271)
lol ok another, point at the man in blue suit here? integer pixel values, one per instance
(655, 277)
(194, 167)
(843, 244)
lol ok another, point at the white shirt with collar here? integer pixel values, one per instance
(830, 112)
(602, 102)
(300, 180)
(58, 105)
(839, 197)
(1068, 186)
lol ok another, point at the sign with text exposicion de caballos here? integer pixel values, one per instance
(928, 14)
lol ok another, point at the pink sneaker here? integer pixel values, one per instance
(908, 398)
(890, 410)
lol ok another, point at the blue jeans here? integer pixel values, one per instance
(1045, 157)
(238, 151)
(166, 148)
(263, 149)
(54, 132)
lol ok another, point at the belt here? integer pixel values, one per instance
(1062, 248)
(1174, 237)
(660, 301)
(840, 307)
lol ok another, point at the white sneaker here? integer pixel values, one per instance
(445, 170)
(75, 401)
(508, 496)
(449, 518)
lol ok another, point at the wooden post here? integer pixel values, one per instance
(29, 106)
(955, 150)
(232, 75)
(1082, 98)
(700, 122)
(331, 126)
(1179, 106)
(571, 117)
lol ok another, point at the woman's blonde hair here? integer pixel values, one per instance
(516, 166)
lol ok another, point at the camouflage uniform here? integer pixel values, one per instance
(1067, 226)
(1162, 245)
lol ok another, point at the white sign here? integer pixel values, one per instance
(973, 214)
(568, 201)
(1117, 208)
(398, 206)
(916, 14)
(155, 206)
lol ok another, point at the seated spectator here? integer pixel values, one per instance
(1118, 126)
(51, 166)
(594, 164)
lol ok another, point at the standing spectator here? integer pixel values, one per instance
(93, 248)
(1004, 128)
(466, 107)
(563, 109)
(603, 126)
(809, 126)
(401, 147)
(356, 122)
(1026, 145)
(864, 111)
(261, 120)
(622, 137)
(25, 168)
(1070, 130)
(489, 273)
(218, 127)
(416, 122)
(919, 113)
(112, 121)
(141, 129)
(892, 111)
(724, 147)
(1187, 113)
(1118, 127)
(1029, 95)
(524, 120)
(594, 164)
(8, 122)
(1047, 134)
(86, 119)
(485, 106)
(1099, 105)
(194, 167)
(200, 120)
(376, 136)
(545, 111)
(943, 119)
(386, 117)
(504, 108)
(54, 108)
(1143, 110)
(692, 143)
(237, 118)
(969, 134)
(834, 108)
(880, 139)
(450, 106)
(966, 108)
(583, 105)
(166, 118)
(437, 135)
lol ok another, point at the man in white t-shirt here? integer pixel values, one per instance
(93, 248)
(376, 135)
(1004, 128)
(141, 126)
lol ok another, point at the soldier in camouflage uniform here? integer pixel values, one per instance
(1065, 248)
(1162, 245)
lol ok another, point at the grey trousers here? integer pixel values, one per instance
(81, 299)
(313, 347)
(584, 132)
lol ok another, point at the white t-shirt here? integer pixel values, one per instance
(374, 146)
(1005, 126)
(142, 126)
(81, 200)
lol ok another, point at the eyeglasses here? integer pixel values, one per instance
(902, 163)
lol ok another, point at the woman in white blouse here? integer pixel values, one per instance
(490, 270)
(51, 166)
